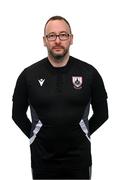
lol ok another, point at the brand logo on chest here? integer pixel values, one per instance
(41, 81)
(77, 82)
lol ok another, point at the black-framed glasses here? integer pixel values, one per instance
(63, 36)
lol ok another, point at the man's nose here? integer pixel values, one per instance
(57, 39)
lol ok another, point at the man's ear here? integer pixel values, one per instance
(71, 41)
(44, 41)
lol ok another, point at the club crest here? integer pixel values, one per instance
(77, 82)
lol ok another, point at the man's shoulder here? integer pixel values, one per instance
(36, 65)
(82, 64)
(34, 68)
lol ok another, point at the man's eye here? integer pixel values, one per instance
(51, 35)
(63, 35)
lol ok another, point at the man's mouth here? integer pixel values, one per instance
(58, 48)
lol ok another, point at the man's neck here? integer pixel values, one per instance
(58, 62)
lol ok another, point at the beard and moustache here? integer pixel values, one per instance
(58, 56)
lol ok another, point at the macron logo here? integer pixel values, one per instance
(41, 81)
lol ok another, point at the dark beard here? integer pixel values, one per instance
(58, 56)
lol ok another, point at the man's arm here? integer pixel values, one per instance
(20, 105)
(100, 115)
(98, 102)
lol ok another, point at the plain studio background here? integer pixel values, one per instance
(96, 28)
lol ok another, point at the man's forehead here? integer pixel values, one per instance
(57, 26)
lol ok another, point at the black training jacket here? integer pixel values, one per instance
(59, 99)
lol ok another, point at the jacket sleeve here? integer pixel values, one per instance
(98, 102)
(20, 105)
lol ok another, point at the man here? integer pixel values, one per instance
(59, 90)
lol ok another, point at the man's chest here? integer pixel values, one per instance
(73, 88)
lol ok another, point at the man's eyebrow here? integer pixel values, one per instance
(51, 33)
(56, 33)
(63, 31)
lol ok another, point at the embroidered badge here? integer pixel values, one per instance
(77, 82)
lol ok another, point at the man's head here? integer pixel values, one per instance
(57, 37)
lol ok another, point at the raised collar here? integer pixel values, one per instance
(62, 69)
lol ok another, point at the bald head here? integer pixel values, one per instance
(57, 18)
